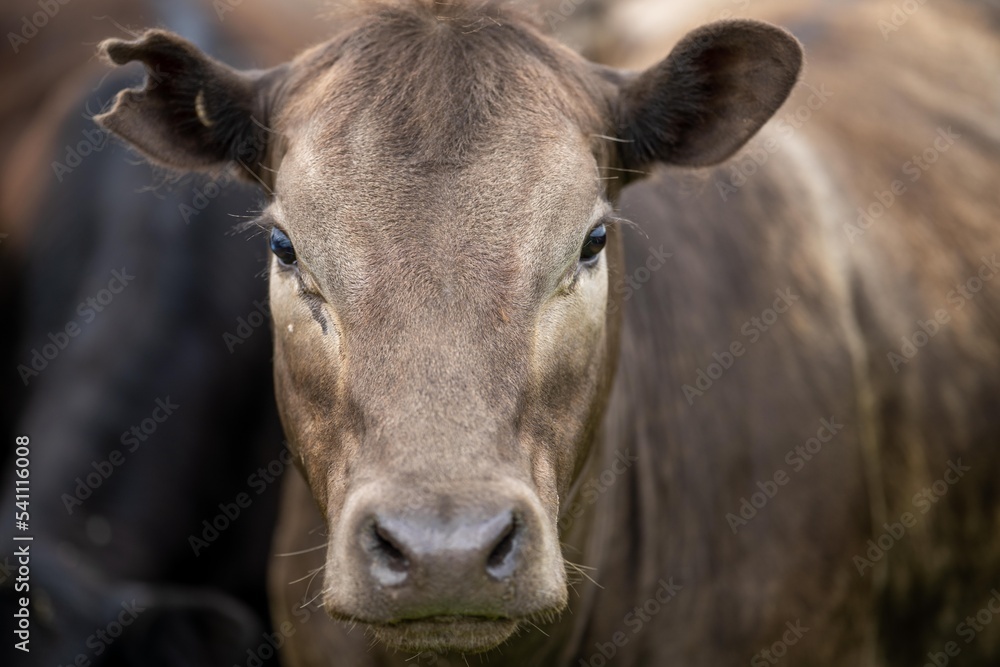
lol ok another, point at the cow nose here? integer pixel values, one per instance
(420, 557)
(427, 552)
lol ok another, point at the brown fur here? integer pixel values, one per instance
(435, 169)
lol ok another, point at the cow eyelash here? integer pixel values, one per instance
(278, 239)
(611, 220)
(262, 224)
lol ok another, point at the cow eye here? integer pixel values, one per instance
(281, 246)
(594, 244)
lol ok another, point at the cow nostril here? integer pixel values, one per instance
(500, 563)
(386, 548)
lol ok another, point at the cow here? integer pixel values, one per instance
(162, 419)
(565, 387)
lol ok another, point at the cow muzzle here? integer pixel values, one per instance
(444, 569)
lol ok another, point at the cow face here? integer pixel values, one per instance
(441, 222)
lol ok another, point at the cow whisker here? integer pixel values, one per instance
(536, 627)
(582, 567)
(311, 600)
(625, 221)
(309, 585)
(308, 575)
(565, 545)
(628, 171)
(580, 570)
(303, 551)
(615, 139)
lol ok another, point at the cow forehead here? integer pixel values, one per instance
(440, 156)
(515, 210)
(409, 112)
(523, 175)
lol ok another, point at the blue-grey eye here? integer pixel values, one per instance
(596, 240)
(281, 246)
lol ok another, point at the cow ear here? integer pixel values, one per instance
(714, 91)
(192, 113)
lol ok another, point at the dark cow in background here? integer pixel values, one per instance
(144, 422)
(132, 368)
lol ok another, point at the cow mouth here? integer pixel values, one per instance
(464, 634)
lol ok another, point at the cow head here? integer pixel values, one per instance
(440, 211)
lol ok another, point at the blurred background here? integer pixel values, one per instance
(136, 332)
